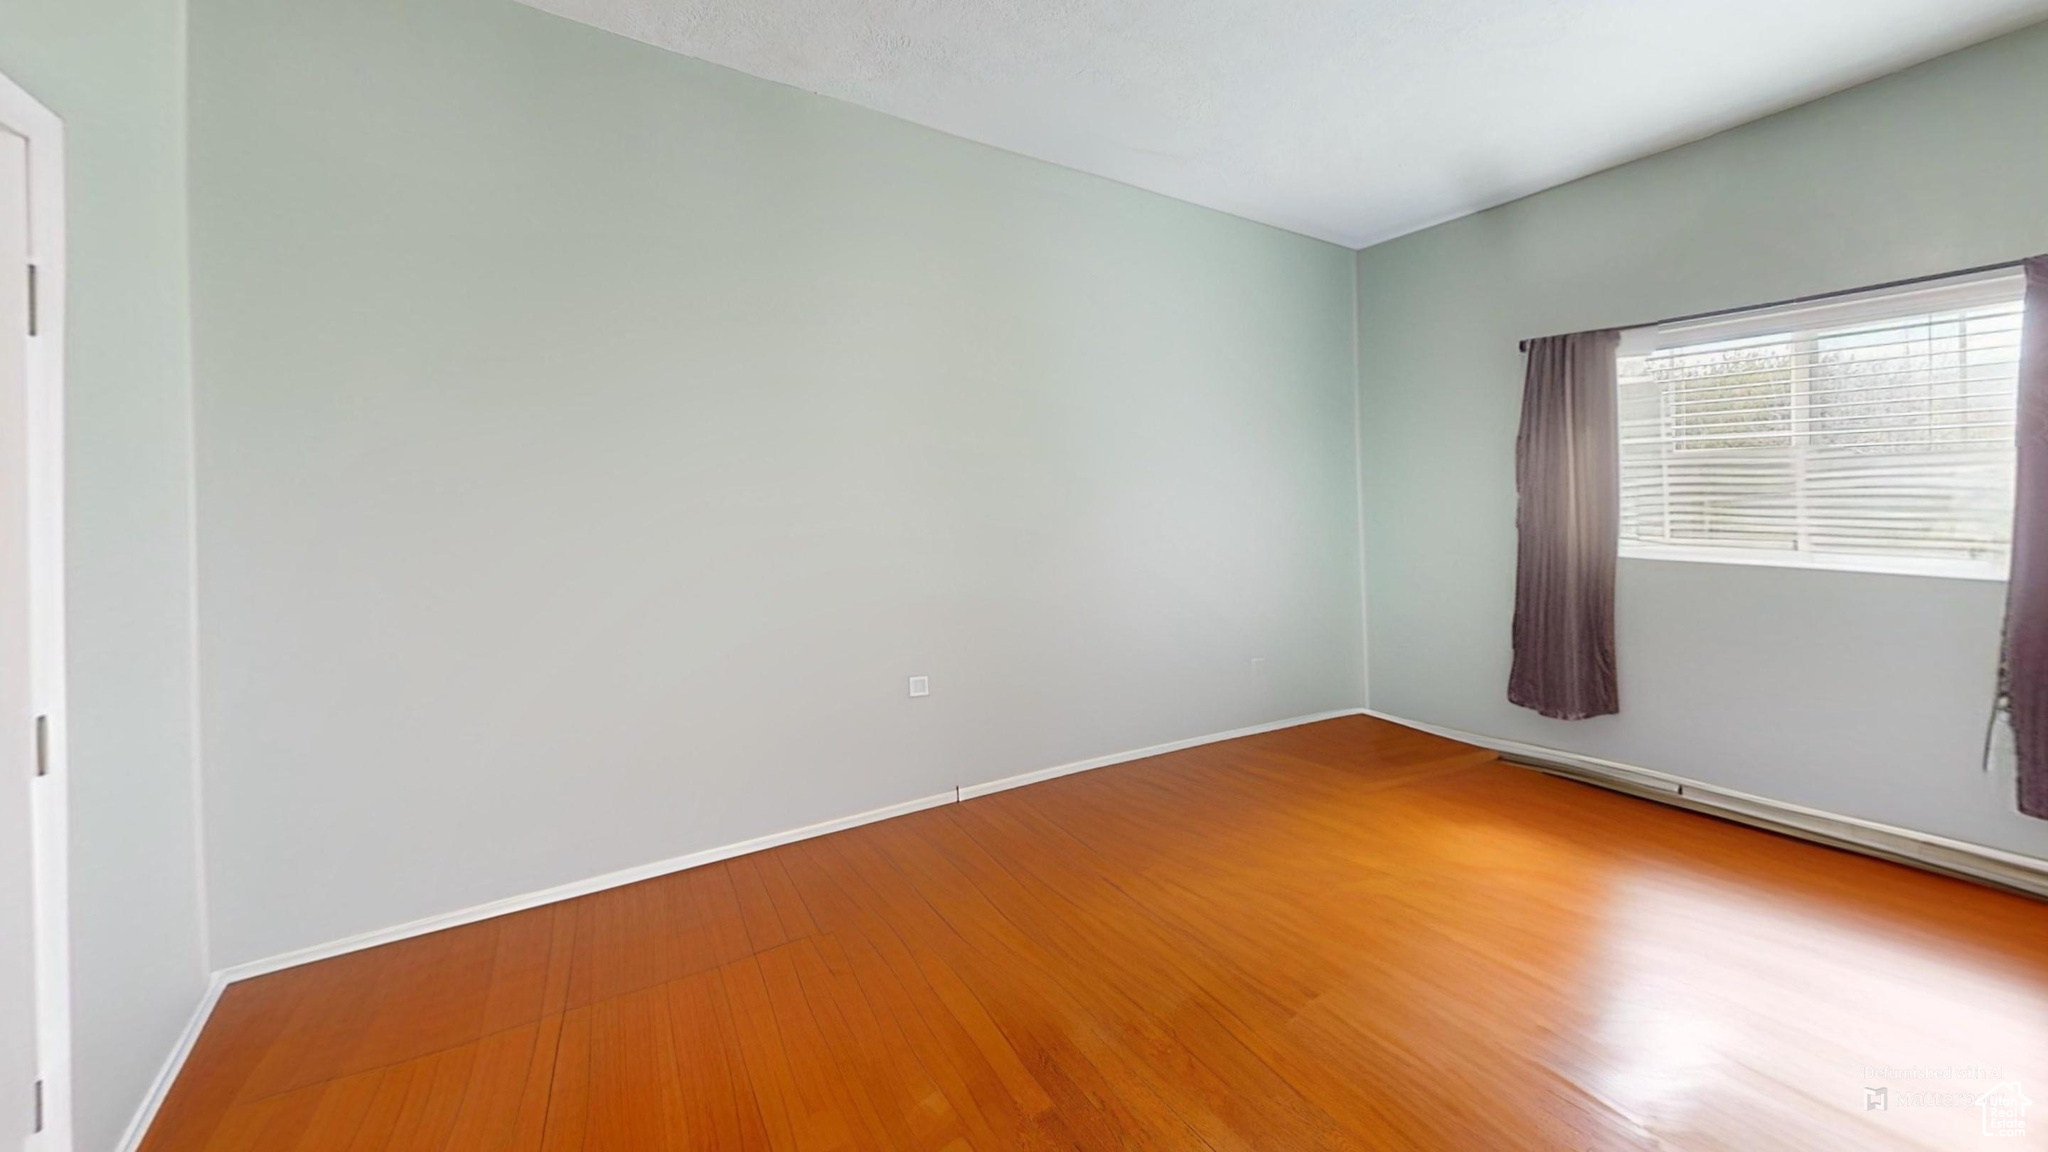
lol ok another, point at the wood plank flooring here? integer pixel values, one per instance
(1347, 935)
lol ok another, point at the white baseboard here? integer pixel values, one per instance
(173, 1064)
(574, 888)
(634, 875)
(1978, 862)
(970, 791)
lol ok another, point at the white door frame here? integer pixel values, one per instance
(49, 811)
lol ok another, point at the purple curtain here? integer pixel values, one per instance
(1568, 479)
(2023, 673)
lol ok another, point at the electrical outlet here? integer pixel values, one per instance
(920, 685)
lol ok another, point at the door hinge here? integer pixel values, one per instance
(34, 308)
(42, 745)
(39, 1108)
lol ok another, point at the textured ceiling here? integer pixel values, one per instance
(1350, 120)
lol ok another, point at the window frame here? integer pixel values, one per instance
(1979, 289)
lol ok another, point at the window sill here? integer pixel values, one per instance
(1984, 570)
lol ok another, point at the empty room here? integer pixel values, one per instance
(1374, 575)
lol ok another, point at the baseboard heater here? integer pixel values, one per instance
(1962, 861)
(1976, 862)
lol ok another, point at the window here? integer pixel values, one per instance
(1872, 432)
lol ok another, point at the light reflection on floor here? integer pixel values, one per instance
(1732, 1020)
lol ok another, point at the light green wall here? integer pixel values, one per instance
(592, 440)
(1858, 694)
(114, 70)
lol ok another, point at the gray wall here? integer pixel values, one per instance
(591, 441)
(1861, 694)
(113, 69)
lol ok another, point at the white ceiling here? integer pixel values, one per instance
(1349, 120)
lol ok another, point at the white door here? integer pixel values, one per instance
(20, 1074)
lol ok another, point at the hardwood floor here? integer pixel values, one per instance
(1346, 935)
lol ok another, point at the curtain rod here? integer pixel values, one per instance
(1818, 296)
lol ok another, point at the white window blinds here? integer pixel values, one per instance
(1871, 432)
